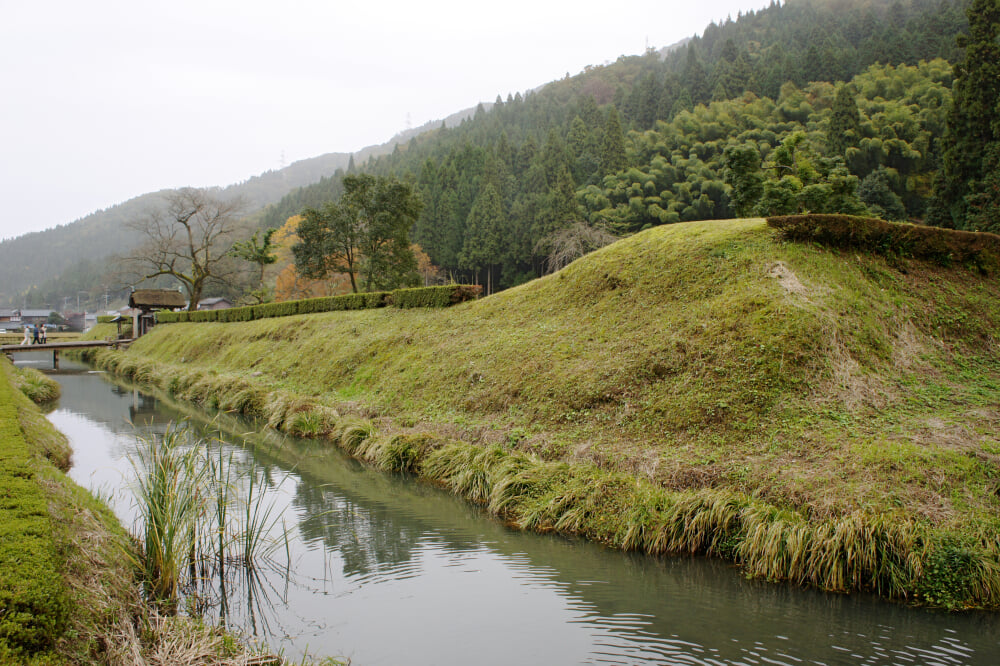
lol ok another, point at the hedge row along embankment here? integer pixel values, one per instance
(420, 297)
(33, 606)
(944, 247)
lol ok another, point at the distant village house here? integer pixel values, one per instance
(80, 321)
(32, 317)
(10, 320)
(217, 303)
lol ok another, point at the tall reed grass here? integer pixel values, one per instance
(863, 551)
(169, 498)
(198, 517)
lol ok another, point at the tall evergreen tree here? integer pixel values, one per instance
(845, 122)
(525, 156)
(425, 233)
(563, 205)
(668, 96)
(482, 238)
(589, 112)
(613, 156)
(582, 152)
(967, 195)
(649, 97)
(695, 78)
(555, 157)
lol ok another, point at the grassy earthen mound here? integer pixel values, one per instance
(828, 416)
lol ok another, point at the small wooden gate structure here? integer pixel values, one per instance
(147, 302)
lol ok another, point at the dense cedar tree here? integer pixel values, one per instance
(968, 190)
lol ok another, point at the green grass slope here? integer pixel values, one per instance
(69, 589)
(708, 357)
(65, 580)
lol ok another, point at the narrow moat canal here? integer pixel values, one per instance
(384, 569)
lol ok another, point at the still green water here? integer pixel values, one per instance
(388, 570)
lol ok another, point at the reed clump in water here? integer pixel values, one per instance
(169, 499)
(195, 520)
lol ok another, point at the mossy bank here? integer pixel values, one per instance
(69, 590)
(824, 416)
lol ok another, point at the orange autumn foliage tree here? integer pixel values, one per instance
(429, 273)
(288, 284)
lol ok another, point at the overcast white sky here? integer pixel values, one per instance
(103, 100)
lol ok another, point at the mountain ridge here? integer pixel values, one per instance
(25, 258)
(779, 67)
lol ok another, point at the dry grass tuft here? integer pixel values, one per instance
(787, 279)
(910, 347)
(180, 641)
(855, 387)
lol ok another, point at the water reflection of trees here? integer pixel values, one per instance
(370, 538)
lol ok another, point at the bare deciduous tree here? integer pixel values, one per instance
(189, 239)
(569, 244)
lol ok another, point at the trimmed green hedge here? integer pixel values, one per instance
(422, 297)
(33, 605)
(435, 297)
(375, 299)
(941, 246)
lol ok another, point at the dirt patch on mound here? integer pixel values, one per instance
(853, 386)
(909, 347)
(787, 279)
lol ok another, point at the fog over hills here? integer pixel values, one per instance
(82, 247)
(855, 92)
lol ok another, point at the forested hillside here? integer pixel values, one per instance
(810, 105)
(841, 103)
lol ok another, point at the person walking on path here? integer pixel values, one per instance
(27, 335)
(42, 334)
(35, 332)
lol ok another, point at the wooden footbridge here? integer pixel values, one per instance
(56, 347)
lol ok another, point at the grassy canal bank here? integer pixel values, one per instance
(827, 417)
(70, 590)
